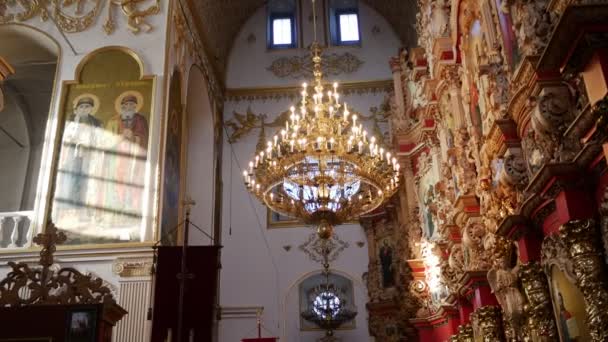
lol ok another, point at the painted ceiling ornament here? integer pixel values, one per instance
(135, 13)
(316, 247)
(70, 15)
(302, 66)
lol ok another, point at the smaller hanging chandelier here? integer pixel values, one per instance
(322, 167)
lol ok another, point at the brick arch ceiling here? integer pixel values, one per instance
(219, 22)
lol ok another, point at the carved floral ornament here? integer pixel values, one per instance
(301, 66)
(317, 248)
(74, 16)
(48, 284)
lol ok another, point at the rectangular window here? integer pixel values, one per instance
(349, 27)
(282, 32)
(282, 26)
(343, 18)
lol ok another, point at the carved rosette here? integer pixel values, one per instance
(538, 311)
(581, 241)
(487, 324)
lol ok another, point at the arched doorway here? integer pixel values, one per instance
(27, 95)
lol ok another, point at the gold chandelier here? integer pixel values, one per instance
(322, 167)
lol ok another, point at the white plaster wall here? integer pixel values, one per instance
(12, 181)
(200, 177)
(248, 61)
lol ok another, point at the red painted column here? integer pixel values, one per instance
(483, 296)
(529, 246)
(464, 310)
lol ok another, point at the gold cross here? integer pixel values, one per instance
(48, 240)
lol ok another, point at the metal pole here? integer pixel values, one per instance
(183, 276)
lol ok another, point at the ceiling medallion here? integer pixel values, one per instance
(322, 167)
(318, 248)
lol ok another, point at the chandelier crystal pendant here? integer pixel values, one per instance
(323, 167)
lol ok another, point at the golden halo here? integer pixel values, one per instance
(138, 96)
(95, 102)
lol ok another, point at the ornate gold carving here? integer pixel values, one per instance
(538, 311)
(301, 66)
(74, 16)
(465, 334)
(127, 267)
(47, 285)
(70, 15)
(136, 17)
(581, 240)
(487, 324)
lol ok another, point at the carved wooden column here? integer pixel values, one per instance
(539, 313)
(487, 322)
(487, 317)
(465, 334)
(581, 240)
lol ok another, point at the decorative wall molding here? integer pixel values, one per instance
(132, 267)
(301, 66)
(292, 93)
(72, 16)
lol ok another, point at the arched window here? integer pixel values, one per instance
(27, 95)
(316, 296)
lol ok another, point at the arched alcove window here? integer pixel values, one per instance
(27, 96)
(316, 296)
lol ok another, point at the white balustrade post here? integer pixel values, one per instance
(15, 233)
(2, 220)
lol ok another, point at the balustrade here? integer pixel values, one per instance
(16, 229)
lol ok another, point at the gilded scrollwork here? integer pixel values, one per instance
(136, 16)
(70, 15)
(581, 241)
(473, 238)
(538, 310)
(74, 16)
(487, 324)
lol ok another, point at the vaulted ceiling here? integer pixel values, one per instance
(219, 22)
